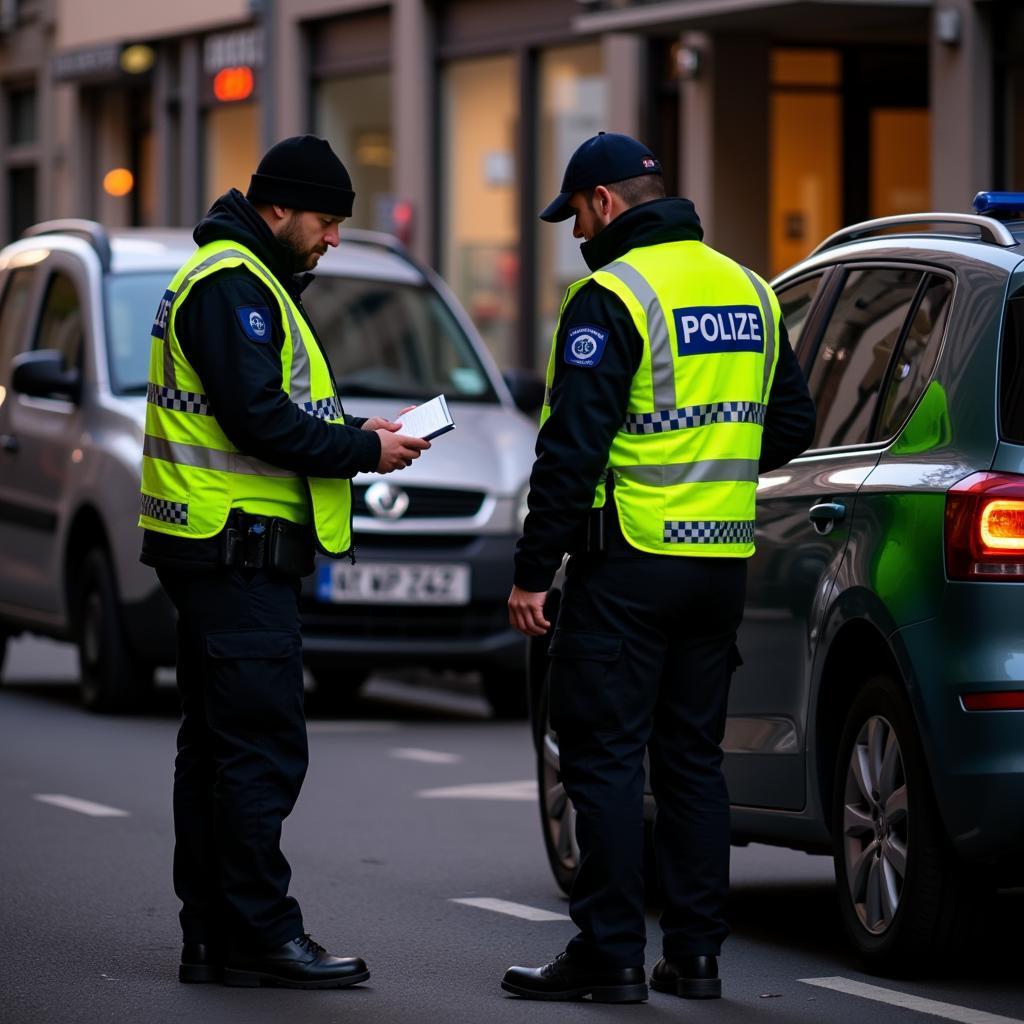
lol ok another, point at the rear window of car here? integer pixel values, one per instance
(1011, 377)
(385, 338)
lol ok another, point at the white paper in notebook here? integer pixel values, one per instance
(427, 421)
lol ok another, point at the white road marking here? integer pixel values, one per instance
(950, 1011)
(512, 909)
(72, 803)
(424, 756)
(526, 790)
(351, 727)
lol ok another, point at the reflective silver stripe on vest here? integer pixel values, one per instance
(710, 531)
(199, 457)
(663, 370)
(769, 329)
(178, 401)
(661, 420)
(707, 471)
(166, 511)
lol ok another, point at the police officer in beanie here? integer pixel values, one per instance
(671, 384)
(246, 473)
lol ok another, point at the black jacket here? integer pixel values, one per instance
(242, 377)
(588, 404)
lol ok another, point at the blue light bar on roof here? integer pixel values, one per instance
(1001, 205)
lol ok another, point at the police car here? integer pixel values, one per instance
(434, 542)
(876, 715)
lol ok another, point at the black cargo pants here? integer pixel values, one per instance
(242, 753)
(641, 659)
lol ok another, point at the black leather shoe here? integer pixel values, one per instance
(200, 962)
(692, 977)
(562, 980)
(301, 963)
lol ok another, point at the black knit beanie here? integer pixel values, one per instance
(303, 173)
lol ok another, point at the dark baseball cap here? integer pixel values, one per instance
(606, 158)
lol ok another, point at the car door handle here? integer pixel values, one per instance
(824, 517)
(8, 443)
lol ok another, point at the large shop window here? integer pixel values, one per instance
(232, 147)
(354, 115)
(480, 232)
(573, 104)
(806, 152)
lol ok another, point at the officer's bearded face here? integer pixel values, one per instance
(590, 218)
(306, 236)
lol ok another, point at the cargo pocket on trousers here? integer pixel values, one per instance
(589, 687)
(255, 675)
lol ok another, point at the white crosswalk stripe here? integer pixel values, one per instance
(949, 1011)
(73, 803)
(512, 909)
(525, 790)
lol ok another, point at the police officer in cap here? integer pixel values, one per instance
(246, 472)
(671, 384)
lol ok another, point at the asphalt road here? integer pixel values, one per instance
(415, 802)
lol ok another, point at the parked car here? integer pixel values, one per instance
(434, 542)
(877, 714)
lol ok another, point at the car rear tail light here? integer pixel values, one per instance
(984, 528)
(995, 700)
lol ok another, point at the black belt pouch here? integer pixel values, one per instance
(291, 548)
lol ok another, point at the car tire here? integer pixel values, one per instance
(557, 814)
(506, 693)
(112, 677)
(904, 897)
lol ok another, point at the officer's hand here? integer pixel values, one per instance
(526, 611)
(382, 423)
(398, 450)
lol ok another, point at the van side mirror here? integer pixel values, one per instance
(527, 388)
(41, 374)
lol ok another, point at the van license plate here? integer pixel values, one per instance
(393, 583)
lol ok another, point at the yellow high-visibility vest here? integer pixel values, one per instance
(192, 475)
(684, 462)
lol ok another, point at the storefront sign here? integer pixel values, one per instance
(95, 62)
(239, 48)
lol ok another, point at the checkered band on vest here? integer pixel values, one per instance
(322, 408)
(660, 420)
(178, 401)
(166, 511)
(709, 532)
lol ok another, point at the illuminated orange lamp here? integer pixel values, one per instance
(1002, 525)
(118, 182)
(233, 84)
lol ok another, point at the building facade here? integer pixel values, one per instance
(781, 119)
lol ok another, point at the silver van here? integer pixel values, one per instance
(434, 543)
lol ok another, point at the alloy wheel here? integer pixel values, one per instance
(559, 813)
(875, 825)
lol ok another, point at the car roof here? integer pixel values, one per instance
(887, 239)
(362, 254)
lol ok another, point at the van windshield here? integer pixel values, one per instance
(383, 339)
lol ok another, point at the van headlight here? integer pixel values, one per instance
(522, 507)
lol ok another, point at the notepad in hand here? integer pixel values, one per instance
(427, 421)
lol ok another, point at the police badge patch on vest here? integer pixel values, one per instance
(701, 330)
(584, 345)
(255, 321)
